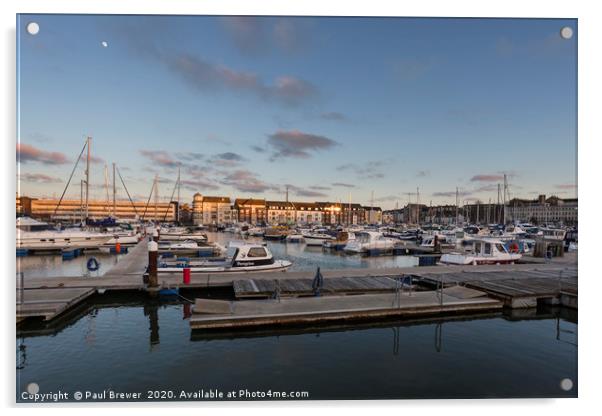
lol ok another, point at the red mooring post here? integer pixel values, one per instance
(153, 250)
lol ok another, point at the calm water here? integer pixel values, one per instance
(309, 257)
(37, 266)
(303, 258)
(149, 346)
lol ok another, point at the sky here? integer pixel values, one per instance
(367, 110)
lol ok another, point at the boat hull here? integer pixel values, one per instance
(278, 265)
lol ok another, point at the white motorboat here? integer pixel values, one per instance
(294, 238)
(256, 232)
(178, 245)
(370, 240)
(244, 258)
(340, 241)
(485, 251)
(556, 234)
(181, 233)
(37, 235)
(317, 239)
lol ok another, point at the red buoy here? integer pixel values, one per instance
(118, 248)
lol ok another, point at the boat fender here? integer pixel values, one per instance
(92, 264)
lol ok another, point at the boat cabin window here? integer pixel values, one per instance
(500, 248)
(487, 248)
(477, 248)
(257, 252)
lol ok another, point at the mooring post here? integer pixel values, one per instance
(22, 288)
(153, 250)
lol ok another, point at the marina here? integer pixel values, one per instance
(352, 292)
(272, 207)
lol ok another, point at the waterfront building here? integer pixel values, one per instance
(308, 213)
(252, 211)
(212, 210)
(331, 212)
(281, 212)
(353, 214)
(373, 215)
(543, 210)
(73, 210)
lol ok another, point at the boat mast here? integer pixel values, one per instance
(457, 206)
(156, 198)
(107, 188)
(114, 192)
(417, 206)
(88, 140)
(178, 184)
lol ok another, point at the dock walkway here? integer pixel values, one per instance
(328, 309)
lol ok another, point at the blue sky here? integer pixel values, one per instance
(332, 107)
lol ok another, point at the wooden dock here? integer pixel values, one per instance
(219, 315)
(263, 288)
(48, 303)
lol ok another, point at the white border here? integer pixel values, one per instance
(589, 173)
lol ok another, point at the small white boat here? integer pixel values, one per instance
(370, 240)
(240, 258)
(294, 238)
(485, 251)
(256, 232)
(317, 239)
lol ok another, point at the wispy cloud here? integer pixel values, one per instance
(487, 178)
(227, 159)
(38, 178)
(294, 143)
(306, 192)
(27, 153)
(423, 173)
(259, 35)
(368, 170)
(343, 185)
(204, 75)
(197, 185)
(161, 158)
(190, 156)
(246, 181)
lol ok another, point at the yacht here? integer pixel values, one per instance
(367, 240)
(485, 251)
(240, 258)
(38, 235)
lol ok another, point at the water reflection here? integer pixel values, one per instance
(526, 353)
